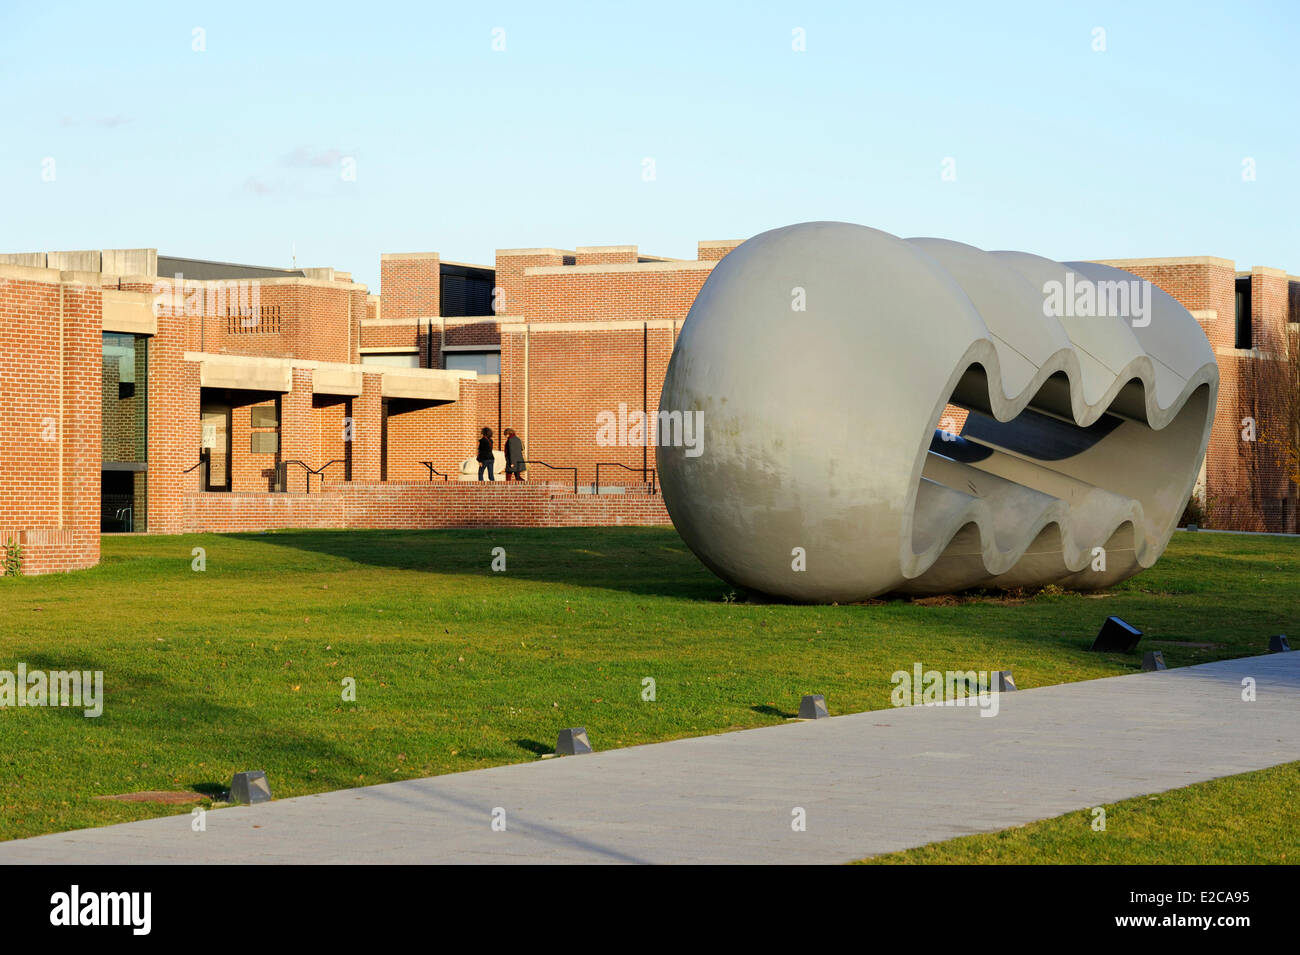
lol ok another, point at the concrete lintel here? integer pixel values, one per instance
(514, 253)
(684, 265)
(422, 320)
(612, 325)
(245, 373)
(424, 384)
(1176, 260)
(129, 312)
(337, 379)
(1255, 353)
(29, 273)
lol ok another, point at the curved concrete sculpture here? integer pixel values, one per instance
(821, 357)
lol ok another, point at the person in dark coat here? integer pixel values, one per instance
(514, 456)
(485, 459)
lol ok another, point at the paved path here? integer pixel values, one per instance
(870, 783)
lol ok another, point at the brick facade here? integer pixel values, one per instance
(580, 334)
(1246, 485)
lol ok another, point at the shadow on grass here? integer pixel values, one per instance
(773, 711)
(277, 750)
(534, 747)
(647, 561)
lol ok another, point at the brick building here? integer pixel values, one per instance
(1251, 318)
(141, 392)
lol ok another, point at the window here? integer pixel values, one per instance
(1293, 301)
(214, 445)
(485, 362)
(124, 411)
(399, 359)
(1243, 313)
(124, 433)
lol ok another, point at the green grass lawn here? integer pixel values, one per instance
(457, 667)
(1246, 819)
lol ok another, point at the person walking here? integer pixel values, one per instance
(515, 465)
(485, 459)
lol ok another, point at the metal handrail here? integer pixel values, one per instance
(433, 471)
(202, 460)
(302, 464)
(310, 470)
(614, 464)
(558, 468)
(320, 470)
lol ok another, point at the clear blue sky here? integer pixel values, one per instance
(235, 153)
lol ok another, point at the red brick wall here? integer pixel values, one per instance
(174, 429)
(572, 376)
(605, 255)
(328, 437)
(1246, 484)
(510, 266)
(410, 284)
(56, 522)
(444, 434)
(420, 505)
(639, 293)
(715, 251)
(308, 320)
(367, 428)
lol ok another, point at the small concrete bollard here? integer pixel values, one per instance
(250, 788)
(573, 742)
(1116, 636)
(1279, 644)
(1003, 682)
(813, 707)
(1153, 660)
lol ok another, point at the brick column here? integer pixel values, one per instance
(80, 440)
(174, 429)
(367, 411)
(296, 442)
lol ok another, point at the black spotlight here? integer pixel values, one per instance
(813, 707)
(250, 788)
(1153, 660)
(1116, 636)
(1279, 644)
(573, 742)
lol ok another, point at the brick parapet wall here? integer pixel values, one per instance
(410, 284)
(420, 505)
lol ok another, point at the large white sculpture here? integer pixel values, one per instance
(822, 356)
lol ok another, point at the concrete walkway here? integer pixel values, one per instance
(869, 783)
